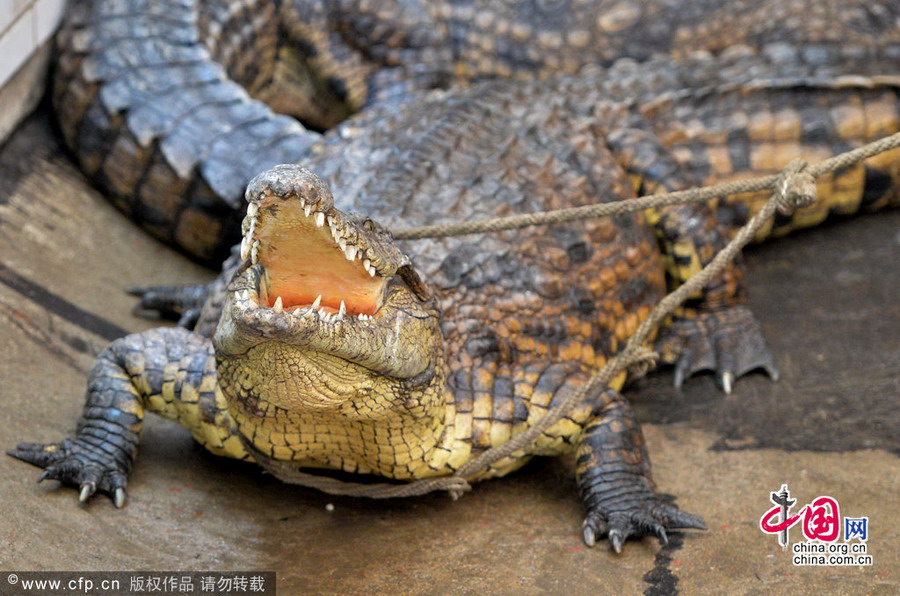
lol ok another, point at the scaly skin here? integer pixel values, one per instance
(370, 376)
(142, 91)
(509, 323)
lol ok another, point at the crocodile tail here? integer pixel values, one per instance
(161, 125)
(826, 125)
(747, 133)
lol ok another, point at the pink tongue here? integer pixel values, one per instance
(302, 262)
(303, 290)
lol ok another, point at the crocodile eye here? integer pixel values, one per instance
(369, 224)
(412, 279)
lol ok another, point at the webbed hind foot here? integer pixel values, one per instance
(728, 341)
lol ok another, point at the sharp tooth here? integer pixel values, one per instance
(278, 307)
(307, 209)
(299, 312)
(318, 301)
(322, 313)
(252, 209)
(342, 243)
(320, 219)
(350, 252)
(254, 250)
(371, 271)
(327, 317)
(366, 264)
(245, 248)
(343, 309)
(330, 222)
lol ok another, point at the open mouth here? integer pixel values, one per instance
(317, 280)
(311, 256)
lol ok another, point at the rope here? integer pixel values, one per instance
(558, 216)
(793, 188)
(291, 474)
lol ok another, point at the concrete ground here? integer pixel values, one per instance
(828, 300)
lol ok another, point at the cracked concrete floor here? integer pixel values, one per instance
(828, 301)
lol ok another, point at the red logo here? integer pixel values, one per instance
(821, 518)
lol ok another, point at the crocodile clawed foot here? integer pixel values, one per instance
(181, 303)
(76, 462)
(652, 515)
(728, 341)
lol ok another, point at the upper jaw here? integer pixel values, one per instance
(323, 280)
(292, 186)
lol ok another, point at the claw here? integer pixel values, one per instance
(189, 319)
(653, 515)
(727, 341)
(684, 520)
(44, 475)
(616, 539)
(727, 380)
(87, 489)
(119, 498)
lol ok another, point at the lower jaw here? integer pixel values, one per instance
(301, 381)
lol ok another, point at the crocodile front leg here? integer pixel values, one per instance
(613, 475)
(169, 371)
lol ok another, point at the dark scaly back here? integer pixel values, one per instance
(155, 120)
(504, 147)
(471, 39)
(523, 313)
(421, 160)
(158, 123)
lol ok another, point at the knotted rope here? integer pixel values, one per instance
(558, 216)
(793, 188)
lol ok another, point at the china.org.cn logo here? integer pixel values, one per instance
(821, 526)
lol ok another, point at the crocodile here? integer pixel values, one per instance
(328, 345)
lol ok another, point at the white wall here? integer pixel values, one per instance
(26, 28)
